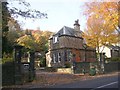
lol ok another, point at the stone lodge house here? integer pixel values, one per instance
(68, 46)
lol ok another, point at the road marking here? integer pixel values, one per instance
(105, 85)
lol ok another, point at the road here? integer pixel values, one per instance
(94, 84)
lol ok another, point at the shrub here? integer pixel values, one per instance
(8, 59)
(67, 65)
(108, 59)
(115, 59)
(50, 69)
(92, 72)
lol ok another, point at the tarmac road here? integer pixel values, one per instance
(111, 81)
(94, 84)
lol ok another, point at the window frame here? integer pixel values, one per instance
(59, 57)
(55, 39)
(54, 58)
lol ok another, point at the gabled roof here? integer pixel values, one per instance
(66, 31)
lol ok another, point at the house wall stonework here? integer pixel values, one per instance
(67, 46)
(56, 61)
(67, 41)
(70, 42)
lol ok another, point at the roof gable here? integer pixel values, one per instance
(66, 31)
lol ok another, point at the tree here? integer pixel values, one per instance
(8, 13)
(13, 25)
(102, 24)
(26, 12)
(41, 37)
(36, 40)
(26, 41)
(5, 15)
(14, 31)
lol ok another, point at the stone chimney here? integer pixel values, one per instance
(77, 28)
(77, 25)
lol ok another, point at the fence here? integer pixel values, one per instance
(111, 67)
(108, 67)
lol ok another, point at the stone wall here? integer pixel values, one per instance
(82, 65)
(65, 70)
(8, 73)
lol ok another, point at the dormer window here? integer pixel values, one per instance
(55, 39)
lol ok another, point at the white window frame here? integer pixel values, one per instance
(55, 39)
(59, 57)
(54, 61)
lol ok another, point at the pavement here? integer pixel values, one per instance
(51, 79)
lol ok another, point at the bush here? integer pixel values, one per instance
(107, 59)
(115, 59)
(92, 72)
(5, 60)
(67, 65)
(50, 69)
(42, 62)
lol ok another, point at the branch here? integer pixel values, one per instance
(27, 12)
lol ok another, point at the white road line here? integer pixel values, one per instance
(105, 85)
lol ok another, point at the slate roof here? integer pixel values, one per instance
(66, 31)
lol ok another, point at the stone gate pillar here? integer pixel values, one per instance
(32, 65)
(17, 62)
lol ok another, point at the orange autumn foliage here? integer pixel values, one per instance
(102, 24)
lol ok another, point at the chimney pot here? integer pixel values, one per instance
(77, 22)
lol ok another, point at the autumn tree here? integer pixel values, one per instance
(36, 40)
(102, 24)
(13, 11)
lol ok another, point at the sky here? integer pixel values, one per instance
(60, 13)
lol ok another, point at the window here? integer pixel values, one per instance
(59, 57)
(55, 39)
(56, 57)
(69, 55)
(54, 61)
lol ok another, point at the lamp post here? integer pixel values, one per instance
(85, 47)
